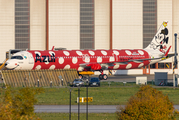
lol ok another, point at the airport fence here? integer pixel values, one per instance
(38, 78)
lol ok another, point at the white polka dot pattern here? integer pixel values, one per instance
(74, 60)
(128, 52)
(47, 62)
(141, 52)
(128, 66)
(87, 59)
(67, 67)
(80, 69)
(50, 52)
(116, 52)
(38, 67)
(99, 59)
(116, 66)
(66, 53)
(142, 64)
(52, 67)
(79, 53)
(111, 59)
(38, 53)
(61, 60)
(91, 53)
(104, 52)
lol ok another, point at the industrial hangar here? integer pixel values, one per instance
(87, 24)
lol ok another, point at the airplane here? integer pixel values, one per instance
(94, 60)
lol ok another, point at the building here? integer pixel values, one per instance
(87, 24)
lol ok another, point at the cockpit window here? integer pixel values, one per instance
(17, 57)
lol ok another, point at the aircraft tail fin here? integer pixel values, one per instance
(160, 40)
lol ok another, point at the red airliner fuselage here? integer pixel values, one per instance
(89, 59)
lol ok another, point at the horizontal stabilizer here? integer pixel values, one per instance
(171, 54)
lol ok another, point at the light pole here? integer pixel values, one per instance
(70, 89)
(87, 99)
(175, 60)
(79, 102)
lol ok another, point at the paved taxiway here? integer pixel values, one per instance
(132, 78)
(74, 108)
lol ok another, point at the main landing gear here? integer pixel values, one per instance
(103, 76)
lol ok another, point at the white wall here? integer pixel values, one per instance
(7, 35)
(102, 17)
(64, 19)
(37, 24)
(152, 71)
(128, 72)
(127, 24)
(176, 24)
(175, 16)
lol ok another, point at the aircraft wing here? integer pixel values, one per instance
(141, 60)
(171, 54)
(99, 66)
(164, 57)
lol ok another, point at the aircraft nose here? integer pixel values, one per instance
(10, 65)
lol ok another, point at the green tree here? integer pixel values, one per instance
(19, 104)
(147, 104)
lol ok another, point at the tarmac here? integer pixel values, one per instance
(74, 108)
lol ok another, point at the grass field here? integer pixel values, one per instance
(101, 95)
(113, 95)
(116, 94)
(74, 116)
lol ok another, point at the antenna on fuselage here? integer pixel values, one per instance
(53, 47)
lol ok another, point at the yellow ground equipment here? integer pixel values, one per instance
(2, 66)
(8, 56)
(86, 73)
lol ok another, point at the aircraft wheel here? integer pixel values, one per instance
(81, 76)
(100, 77)
(105, 77)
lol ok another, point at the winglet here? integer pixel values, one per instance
(53, 47)
(166, 53)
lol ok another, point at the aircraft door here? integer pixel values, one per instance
(115, 56)
(30, 58)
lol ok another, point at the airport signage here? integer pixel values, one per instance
(84, 99)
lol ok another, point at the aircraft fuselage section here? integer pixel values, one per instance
(45, 58)
(66, 59)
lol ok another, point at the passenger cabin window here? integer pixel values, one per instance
(17, 57)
